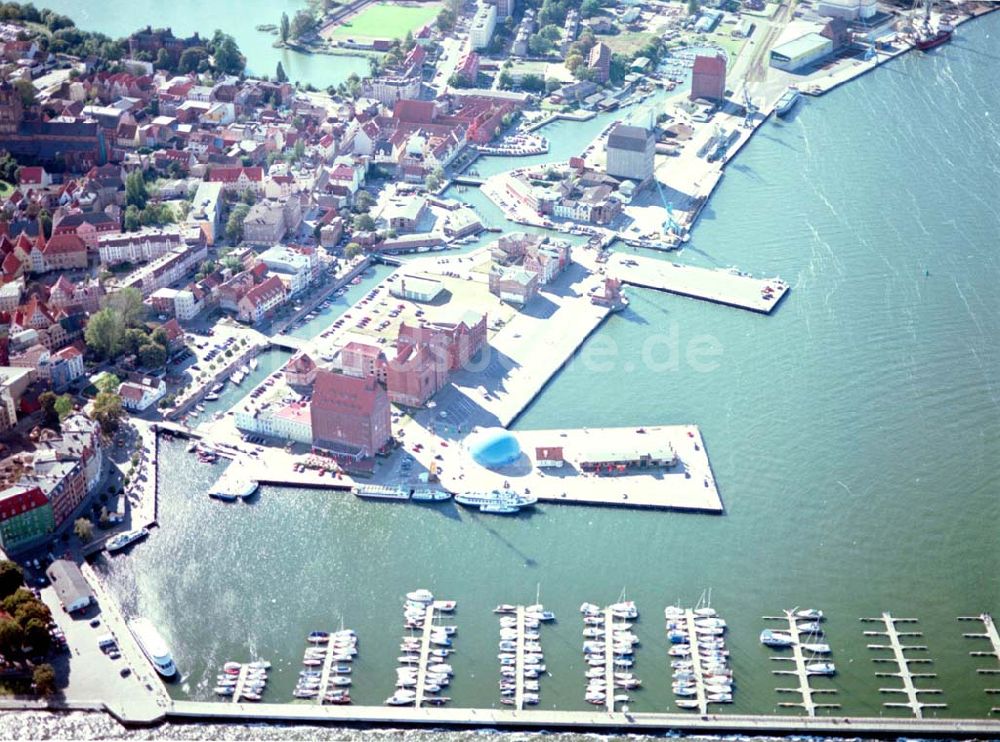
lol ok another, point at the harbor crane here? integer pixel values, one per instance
(749, 108)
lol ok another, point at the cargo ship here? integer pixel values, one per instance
(787, 102)
(926, 40)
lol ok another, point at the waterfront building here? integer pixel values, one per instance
(549, 457)
(364, 361)
(291, 422)
(350, 416)
(604, 457)
(455, 343)
(70, 585)
(261, 300)
(415, 374)
(141, 393)
(801, 52)
(61, 478)
(416, 288)
(484, 22)
(297, 266)
(25, 518)
(493, 448)
(708, 78)
(599, 61)
(300, 371)
(630, 152)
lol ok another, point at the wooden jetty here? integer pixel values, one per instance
(425, 646)
(609, 660)
(903, 663)
(990, 633)
(719, 286)
(324, 678)
(699, 677)
(241, 681)
(798, 657)
(519, 661)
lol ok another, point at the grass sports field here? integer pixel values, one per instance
(386, 21)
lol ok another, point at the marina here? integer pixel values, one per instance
(993, 637)
(720, 286)
(903, 662)
(804, 657)
(610, 653)
(428, 650)
(521, 659)
(698, 657)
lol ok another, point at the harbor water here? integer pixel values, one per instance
(854, 435)
(118, 18)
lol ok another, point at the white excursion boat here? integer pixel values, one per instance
(420, 595)
(503, 502)
(119, 542)
(153, 646)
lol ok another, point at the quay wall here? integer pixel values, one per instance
(546, 720)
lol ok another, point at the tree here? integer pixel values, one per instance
(108, 382)
(228, 58)
(36, 635)
(446, 20)
(283, 28)
(14, 601)
(279, 74)
(573, 61)
(27, 92)
(550, 32)
(128, 304)
(134, 339)
(104, 333)
(363, 201)
(107, 411)
(191, 59)
(533, 82)
(692, 7)
(132, 219)
(64, 406)
(11, 577)
(234, 225)
(434, 179)
(44, 679)
(302, 23)
(11, 637)
(135, 190)
(299, 149)
(50, 416)
(45, 222)
(83, 529)
(163, 60)
(364, 223)
(352, 250)
(152, 355)
(538, 45)
(590, 8)
(32, 610)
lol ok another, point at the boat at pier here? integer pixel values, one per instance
(119, 542)
(429, 495)
(237, 376)
(502, 502)
(153, 646)
(381, 492)
(775, 639)
(787, 102)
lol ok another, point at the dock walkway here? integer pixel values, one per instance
(519, 661)
(715, 285)
(991, 634)
(324, 678)
(241, 682)
(800, 672)
(425, 647)
(609, 659)
(699, 677)
(903, 663)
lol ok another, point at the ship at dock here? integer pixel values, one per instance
(787, 102)
(153, 646)
(925, 37)
(500, 502)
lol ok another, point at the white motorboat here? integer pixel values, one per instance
(420, 596)
(821, 668)
(430, 495)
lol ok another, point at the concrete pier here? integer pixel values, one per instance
(717, 286)
(609, 660)
(800, 672)
(688, 485)
(519, 661)
(324, 678)
(903, 662)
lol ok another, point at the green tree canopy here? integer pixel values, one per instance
(50, 416)
(104, 333)
(11, 637)
(352, 250)
(11, 577)
(36, 635)
(364, 223)
(127, 303)
(64, 406)
(234, 225)
(283, 27)
(279, 73)
(83, 529)
(44, 679)
(152, 355)
(108, 382)
(107, 411)
(136, 193)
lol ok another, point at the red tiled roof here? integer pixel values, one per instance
(32, 175)
(232, 174)
(336, 392)
(64, 243)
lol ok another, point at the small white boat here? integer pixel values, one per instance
(813, 614)
(420, 596)
(821, 668)
(816, 648)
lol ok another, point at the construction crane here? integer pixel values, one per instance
(750, 110)
(670, 225)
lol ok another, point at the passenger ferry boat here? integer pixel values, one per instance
(381, 492)
(429, 495)
(500, 502)
(153, 646)
(119, 542)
